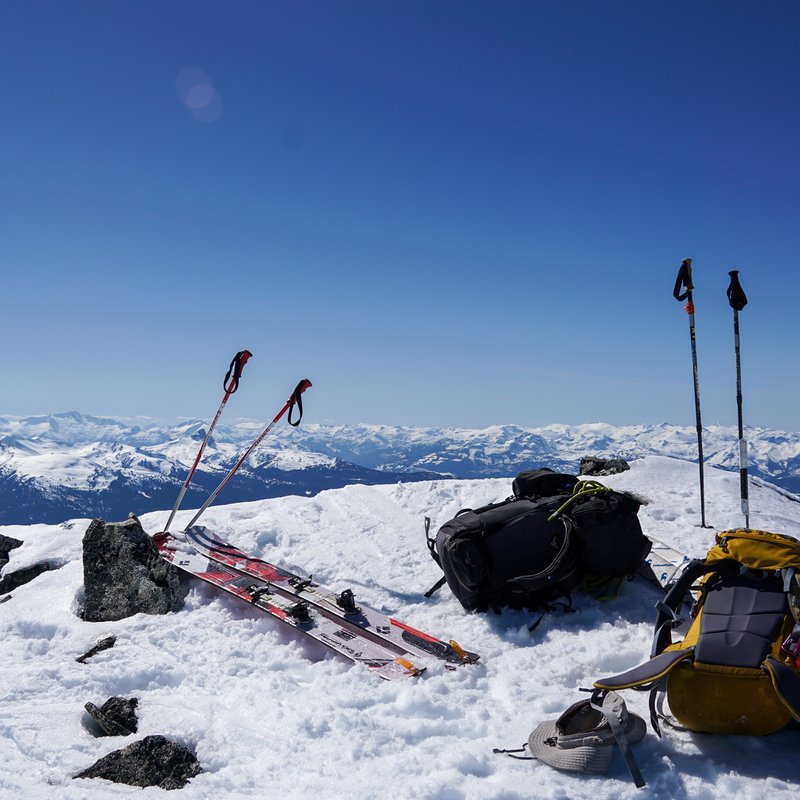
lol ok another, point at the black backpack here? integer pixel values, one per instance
(506, 554)
(610, 540)
(528, 551)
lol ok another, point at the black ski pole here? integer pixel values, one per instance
(683, 291)
(230, 383)
(294, 399)
(738, 300)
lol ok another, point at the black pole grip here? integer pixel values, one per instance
(297, 399)
(235, 371)
(736, 296)
(683, 283)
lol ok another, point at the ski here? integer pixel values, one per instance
(663, 564)
(389, 663)
(360, 619)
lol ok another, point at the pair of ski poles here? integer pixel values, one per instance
(231, 384)
(737, 300)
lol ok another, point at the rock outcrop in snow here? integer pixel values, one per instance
(124, 575)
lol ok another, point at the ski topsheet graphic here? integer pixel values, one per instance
(389, 647)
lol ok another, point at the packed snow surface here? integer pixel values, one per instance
(270, 713)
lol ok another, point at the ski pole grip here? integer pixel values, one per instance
(683, 283)
(235, 371)
(736, 296)
(297, 399)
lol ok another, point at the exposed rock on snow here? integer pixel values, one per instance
(124, 575)
(102, 644)
(152, 761)
(7, 543)
(116, 717)
(13, 580)
(594, 465)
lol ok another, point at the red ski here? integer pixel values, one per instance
(386, 661)
(342, 607)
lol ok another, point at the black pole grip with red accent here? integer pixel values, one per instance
(297, 399)
(683, 291)
(235, 371)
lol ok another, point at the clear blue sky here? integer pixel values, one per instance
(441, 212)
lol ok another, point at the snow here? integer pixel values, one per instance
(270, 714)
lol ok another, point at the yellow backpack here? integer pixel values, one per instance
(737, 670)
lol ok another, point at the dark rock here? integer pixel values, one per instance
(116, 717)
(102, 644)
(594, 465)
(123, 573)
(152, 761)
(7, 544)
(20, 577)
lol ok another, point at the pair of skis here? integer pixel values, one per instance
(389, 648)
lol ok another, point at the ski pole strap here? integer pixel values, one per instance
(683, 283)
(235, 371)
(297, 399)
(736, 296)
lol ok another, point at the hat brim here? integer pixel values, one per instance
(592, 756)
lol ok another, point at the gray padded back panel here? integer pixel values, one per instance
(741, 618)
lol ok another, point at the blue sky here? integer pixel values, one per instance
(442, 213)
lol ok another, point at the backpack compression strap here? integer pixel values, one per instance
(431, 542)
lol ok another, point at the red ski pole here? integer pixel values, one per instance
(230, 383)
(294, 399)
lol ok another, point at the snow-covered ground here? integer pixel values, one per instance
(271, 714)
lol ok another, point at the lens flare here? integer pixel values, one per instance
(196, 91)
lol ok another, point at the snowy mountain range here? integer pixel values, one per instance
(69, 464)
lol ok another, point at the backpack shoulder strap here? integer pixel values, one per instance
(668, 608)
(787, 684)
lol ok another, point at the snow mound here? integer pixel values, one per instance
(269, 713)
